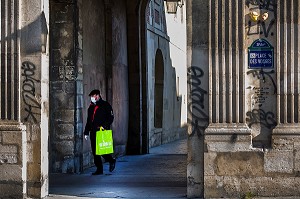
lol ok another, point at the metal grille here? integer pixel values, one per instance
(9, 63)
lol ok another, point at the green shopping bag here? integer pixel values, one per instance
(104, 142)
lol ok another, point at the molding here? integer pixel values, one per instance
(12, 126)
(291, 129)
(227, 128)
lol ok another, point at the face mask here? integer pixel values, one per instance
(93, 99)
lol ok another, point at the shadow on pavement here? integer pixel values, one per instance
(160, 174)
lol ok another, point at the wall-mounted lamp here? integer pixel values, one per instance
(255, 16)
(172, 5)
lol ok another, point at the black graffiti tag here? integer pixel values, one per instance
(259, 116)
(197, 96)
(261, 74)
(266, 30)
(28, 91)
(269, 5)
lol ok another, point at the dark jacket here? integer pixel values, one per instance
(99, 114)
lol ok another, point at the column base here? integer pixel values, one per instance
(228, 137)
(286, 136)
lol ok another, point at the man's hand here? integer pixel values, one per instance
(86, 137)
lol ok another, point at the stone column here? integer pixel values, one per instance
(66, 89)
(120, 94)
(286, 135)
(34, 95)
(252, 141)
(227, 122)
(198, 90)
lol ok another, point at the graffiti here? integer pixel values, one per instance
(261, 94)
(267, 6)
(197, 95)
(261, 74)
(265, 29)
(28, 91)
(259, 116)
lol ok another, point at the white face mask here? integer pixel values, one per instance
(93, 99)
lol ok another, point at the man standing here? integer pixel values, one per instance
(100, 115)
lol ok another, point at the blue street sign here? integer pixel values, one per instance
(260, 55)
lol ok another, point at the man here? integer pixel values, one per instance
(100, 115)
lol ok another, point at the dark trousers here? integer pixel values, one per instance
(97, 158)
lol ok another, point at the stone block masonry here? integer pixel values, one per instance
(11, 162)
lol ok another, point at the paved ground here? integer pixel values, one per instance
(159, 174)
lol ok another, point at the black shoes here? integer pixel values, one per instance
(112, 165)
(97, 172)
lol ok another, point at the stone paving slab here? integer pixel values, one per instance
(160, 174)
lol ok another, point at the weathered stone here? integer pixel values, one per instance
(10, 172)
(297, 156)
(229, 138)
(209, 163)
(282, 143)
(8, 149)
(35, 133)
(238, 187)
(34, 191)
(14, 190)
(79, 130)
(68, 165)
(65, 115)
(63, 100)
(70, 86)
(29, 153)
(213, 187)
(12, 138)
(240, 164)
(279, 161)
(228, 146)
(65, 132)
(8, 158)
(79, 88)
(79, 102)
(65, 147)
(79, 118)
(57, 85)
(33, 171)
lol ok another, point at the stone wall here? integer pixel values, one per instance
(171, 54)
(66, 135)
(12, 160)
(244, 77)
(34, 95)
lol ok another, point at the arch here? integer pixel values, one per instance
(158, 89)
